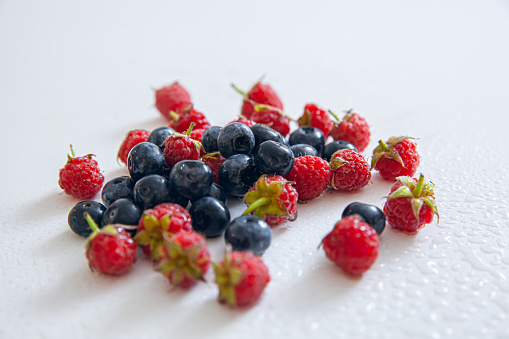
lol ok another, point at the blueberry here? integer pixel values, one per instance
(117, 188)
(263, 133)
(237, 174)
(209, 139)
(122, 211)
(144, 159)
(308, 135)
(76, 218)
(159, 135)
(300, 150)
(248, 233)
(151, 190)
(235, 138)
(217, 192)
(371, 214)
(191, 178)
(335, 146)
(274, 158)
(210, 216)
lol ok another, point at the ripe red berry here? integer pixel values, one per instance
(310, 175)
(352, 128)
(259, 94)
(350, 171)
(411, 204)
(396, 157)
(352, 244)
(80, 177)
(178, 147)
(316, 117)
(246, 122)
(172, 98)
(214, 160)
(181, 122)
(132, 139)
(272, 117)
(241, 277)
(185, 259)
(196, 134)
(273, 199)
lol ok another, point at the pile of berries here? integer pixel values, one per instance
(182, 175)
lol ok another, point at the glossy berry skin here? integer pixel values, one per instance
(196, 134)
(308, 135)
(132, 139)
(300, 150)
(151, 190)
(235, 138)
(354, 129)
(81, 177)
(316, 117)
(159, 135)
(209, 139)
(350, 171)
(170, 98)
(76, 218)
(178, 147)
(260, 93)
(311, 176)
(145, 159)
(263, 133)
(248, 233)
(122, 211)
(352, 245)
(214, 160)
(274, 118)
(210, 216)
(217, 192)
(237, 174)
(370, 214)
(396, 157)
(335, 146)
(182, 123)
(117, 188)
(191, 179)
(274, 158)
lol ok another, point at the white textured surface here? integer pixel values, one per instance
(81, 74)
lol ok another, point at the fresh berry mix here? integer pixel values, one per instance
(178, 147)
(214, 160)
(172, 98)
(352, 245)
(210, 216)
(335, 146)
(248, 233)
(310, 176)
(132, 139)
(260, 93)
(352, 128)
(350, 171)
(159, 135)
(396, 157)
(411, 204)
(370, 214)
(81, 176)
(316, 117)
(272, 117)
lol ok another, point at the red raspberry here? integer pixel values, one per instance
(246, 122)
(109, 250)
(196, 134)
(352, 128)
(396, 157)
(316, 117)
(241, 277)
(80, 177)
(272, 117)
(178, 147)
(352, 245)
(182, 122)
(411, 204)
(132, 139)
(214, 160)
(163, 220)
(185, 259)
(172, 98)
(311, 176)
(350, 171)
(273, 199)
(258, 94)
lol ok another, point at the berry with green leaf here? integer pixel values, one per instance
(178, 147)
(260, 93)
(350, 171)
(353, 128)
(396, 157)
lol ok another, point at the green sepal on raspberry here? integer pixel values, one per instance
(227, 277)
(152, 235)
(264, 199)
(386, 149)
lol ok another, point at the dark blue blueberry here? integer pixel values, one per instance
(210, 216)
(248, 233)
(209, 139)
(76, 218)
(263, 133)
(308, 135)
(191, 179)
(274, 158)
(300, 150)
(237, 174)
(159, 135)
(235, 138)
(371, 214)
(217, 192)
(123, 211)
(151, 190)
(335, 146)
(144, 159)
(117, 188)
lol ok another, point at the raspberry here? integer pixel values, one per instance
(352, 128)
(350, 171)
(411, 204)
(352, 245)
(178, 147)
(311, 176)
(172, 98)
(241, 277)
(181, 122)
(185, 259)
(80, 177)
(258, 94)
(273, 199)
(246, 122)
(132, 139)
(272, 117)
(214, 160)
(196, 134)
(396, 157)
(316, 117)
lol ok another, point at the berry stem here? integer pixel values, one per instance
(72, 151)
(174, 115)
(418, 188)
(91, 222)
(258, 203)
(238, 90)
(334, 115)
(383, 145)
(189, 130)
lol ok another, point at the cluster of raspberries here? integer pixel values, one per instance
(181, 175)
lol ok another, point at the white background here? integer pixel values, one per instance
(83, 73)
